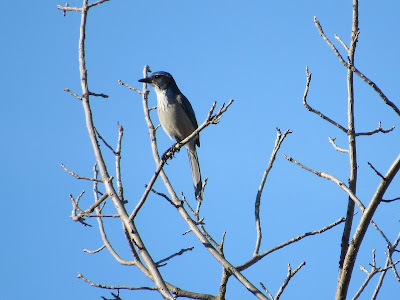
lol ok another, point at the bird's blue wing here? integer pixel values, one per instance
(189, 111)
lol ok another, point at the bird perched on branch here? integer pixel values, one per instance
(178, 120)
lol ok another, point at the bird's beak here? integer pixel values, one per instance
(147, 80)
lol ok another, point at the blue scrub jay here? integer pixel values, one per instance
(178, 120)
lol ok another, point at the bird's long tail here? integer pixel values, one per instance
(195, 166)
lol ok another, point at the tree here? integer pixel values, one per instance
(142, 258)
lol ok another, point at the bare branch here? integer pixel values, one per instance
(116, 287)
(78, 176)
(118, 162)
(106, 179)
(340, 183)
(258, 257)
(104, 141)
(343, 186)
(352, 67)
(94, 251)
(98, 95)
(278, 143)
(97, 3)
(379, 129)
(374, 270)
(173, 255)
(376, 171)
(287, 279)
(391, 200)
(266, 290)
(321, 32)
(309, 108)
(337, 148)
(362, 227)
(101, 224)
(343, 44)
(73, 94)
(129, 87)
(162, 195)
(376, 89)
(392, 249)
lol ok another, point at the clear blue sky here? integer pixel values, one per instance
(254, 52)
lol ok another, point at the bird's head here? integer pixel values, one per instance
(159, 80)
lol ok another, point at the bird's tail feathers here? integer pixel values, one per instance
(195, 166)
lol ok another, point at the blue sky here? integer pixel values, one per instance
(254, 53)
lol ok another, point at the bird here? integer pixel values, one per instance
(177, 119)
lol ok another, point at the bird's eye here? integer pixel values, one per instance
(157, 76)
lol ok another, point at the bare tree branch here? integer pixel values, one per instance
(173, 255)
(337, 148)
(309, 108)
(377, 130)
(350, 65)
(287, 279)
(362, 229)
(116, 287)
(374, 270)
(391, 200)
(285, 283)
(105, 177)
(376, 171)
(340, 183)
(94, 251)
(392, 249)
(258, 257)
(73, 94)
(129, 87)
(78, 176)
(343, 44)
(343, 186)
(278, 143)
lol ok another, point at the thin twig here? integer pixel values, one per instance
(287, 279)
(340, 183)
(94, 251)
(101, 225)
(377, 130)
(278, 142)
(376, 171)
(78, 176)
(73, 94)
(173, 255)
(118, 162)
(343, 44)
(391, 200)
(116, 287)
(104, 141)
(97, 3)
(309, 108)
(343, 186)
(129, 87)
(337, 148)
(354, 69)
(266, 290)
(258, 257)
(392, 249)
(98, 95)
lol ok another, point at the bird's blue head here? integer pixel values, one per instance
(160, 79)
